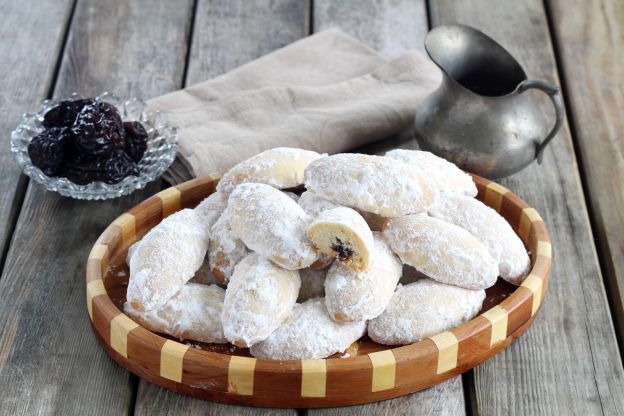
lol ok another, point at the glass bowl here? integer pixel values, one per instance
(161, 149)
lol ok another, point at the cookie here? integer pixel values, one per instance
(314, 204)
(491, 229)
(272, 225)
(343, 233)
(357, 296)
(225, 250)
(259, 297)
(194, 313)
(308, 333)
(422, 309)
(211, 208)
(165, 259)
(281, 167)
(370, 183)
(446, 176)
(442, 251)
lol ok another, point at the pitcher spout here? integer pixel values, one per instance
(474, 61)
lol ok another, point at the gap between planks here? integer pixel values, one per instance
(615, 306)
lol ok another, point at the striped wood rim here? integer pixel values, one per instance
(308, 383)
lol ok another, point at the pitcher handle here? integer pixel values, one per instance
(555, 97)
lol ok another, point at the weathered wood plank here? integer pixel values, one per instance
(228, 34)
(590, 40)
(390, 26)
(568, 362)
(27, 67)
(50, 363)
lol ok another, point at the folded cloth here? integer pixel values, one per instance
(327, 92)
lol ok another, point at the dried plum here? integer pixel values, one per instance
(98, 130)
(136, 140)
(110, 169)
(118, 166)
(64, 114)
(48, 150)
(82, 170)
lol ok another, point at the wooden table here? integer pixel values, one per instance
(568, 362)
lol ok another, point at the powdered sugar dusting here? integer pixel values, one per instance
(314, 204)
(271, 224)
(358, 296)
(488, 227)
(308, 333)
(226, 250)
(167, 257)
(193, 313)
(281, 167)
(442, 251)
(446, 176)
(211, 208)
(258, 299)
(422, 309)
(370, 183)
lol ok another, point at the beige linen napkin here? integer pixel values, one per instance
(327, 92)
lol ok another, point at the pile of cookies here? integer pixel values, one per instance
(310, 252)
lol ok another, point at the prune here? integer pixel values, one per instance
(118, 166)
(48, 150)
(110, 169)
(344, 252)
(136, 140)
(98, 130)
(82, 170)
(64, 114)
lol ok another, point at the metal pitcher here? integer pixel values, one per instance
(480, 117)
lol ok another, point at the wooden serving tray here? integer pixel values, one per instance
(372, 372)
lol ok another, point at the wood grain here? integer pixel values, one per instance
(50, 363)
(388, 26)
(590, 40)
(228, 34)
(27, 67)
(568, 363)
(391, 27)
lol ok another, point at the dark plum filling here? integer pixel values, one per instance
(344, 251)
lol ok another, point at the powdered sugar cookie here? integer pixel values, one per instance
(193, 313)
(258, 299)
(166, 258)
(357, 296)
(446, 176)
(281, 167)
(370, 183)
(422, 309)
(210, 209)
(342, 233)
(271, 224)
(226, 250)
(443, 251)
(314, 204)
(490, 228)
(308, 333)
(312, 284)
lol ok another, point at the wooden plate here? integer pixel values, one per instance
(372, 372)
